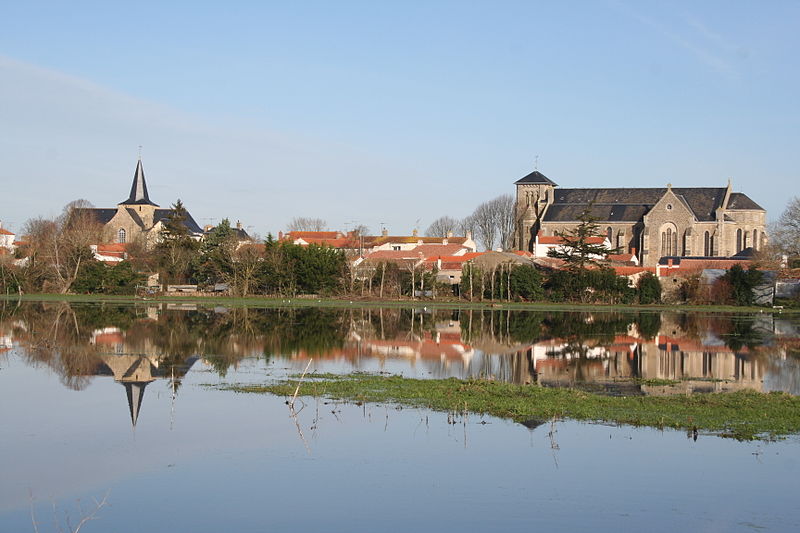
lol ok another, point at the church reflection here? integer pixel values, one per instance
(627, 353)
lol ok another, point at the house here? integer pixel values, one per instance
(7, 245)
(137, 216)
(384, 241)
(543, 244)
(363, 245)
(651, 222)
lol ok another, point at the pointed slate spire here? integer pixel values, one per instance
(138, 194)
(135, 393)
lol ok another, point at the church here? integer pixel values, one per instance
(138, 216)
(650, 223)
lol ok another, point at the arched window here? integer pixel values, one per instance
(669, 242)
(707, 244)
(609, 233)
(755, 239)
(738, 240)
(711, 247)
(121, 235)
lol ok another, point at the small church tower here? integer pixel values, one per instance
(535, 192)
(139, 200)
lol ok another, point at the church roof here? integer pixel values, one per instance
(103, 215)
(742, 201)
(536, 177)
(191, 225)
(138, 194)
(630, 204)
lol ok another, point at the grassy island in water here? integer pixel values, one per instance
(744, 415)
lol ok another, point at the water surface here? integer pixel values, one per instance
(111, 400)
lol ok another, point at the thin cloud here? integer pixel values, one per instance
(706, 55)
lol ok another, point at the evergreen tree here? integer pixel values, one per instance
(649, 289)
(176, 248)
(577, 251)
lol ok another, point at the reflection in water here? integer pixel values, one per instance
(616, 352)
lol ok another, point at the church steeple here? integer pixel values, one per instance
(138, 194)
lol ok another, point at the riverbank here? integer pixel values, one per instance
(743, 415)
(271, 302)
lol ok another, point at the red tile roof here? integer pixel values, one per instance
(627, 270)
(622, 258)
(697, 265)
(6, 232)
(305, 235)
(376, 240)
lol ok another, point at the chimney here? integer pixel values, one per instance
(238, 224)
(414, 232)
(469, 235)
(385, 232)
(449, 234)
(669, 263)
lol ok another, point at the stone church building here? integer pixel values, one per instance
(138, 216)
(649, 222)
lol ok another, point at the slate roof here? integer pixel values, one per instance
(135, 216)
(742, 201)
(138, 195)
(191, 225)
(536, 177)
(630, 204)
(103, 215)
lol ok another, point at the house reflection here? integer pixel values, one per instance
(631, 352)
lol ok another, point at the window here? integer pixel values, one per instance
(609, 233)
(707, 245)
(396, 248)
(738, 240)
(755, 239)
(121, 235)
(669, 242)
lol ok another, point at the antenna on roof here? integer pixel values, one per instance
(536, 163)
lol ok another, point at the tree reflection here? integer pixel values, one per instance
(548, 347)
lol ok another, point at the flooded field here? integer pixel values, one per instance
(114, 402)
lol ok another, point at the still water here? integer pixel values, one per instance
(113, 401)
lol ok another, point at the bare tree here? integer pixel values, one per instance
(442, 226)
(485, 217)
(504, 206)
(247, 260)
(361, 230)
(307, 224)
(468, 226)
(57, 248)
(493, 222)
(786, 232)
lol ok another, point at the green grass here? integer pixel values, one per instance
(344, 302)
(743, 415)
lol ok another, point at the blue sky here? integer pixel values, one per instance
(390, 113)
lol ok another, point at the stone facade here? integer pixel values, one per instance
(649, 222)
(137, 216)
